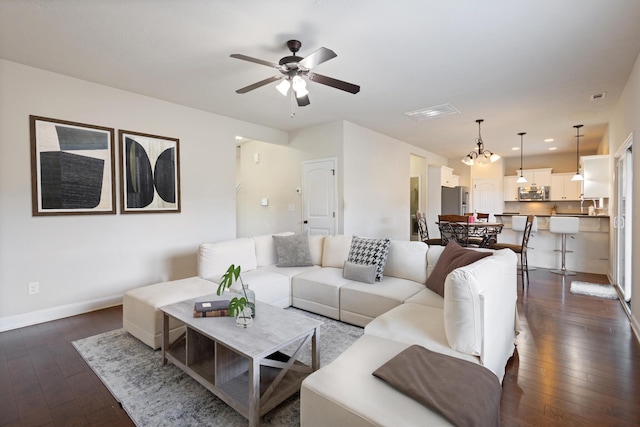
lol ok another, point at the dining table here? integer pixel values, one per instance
(479, 233)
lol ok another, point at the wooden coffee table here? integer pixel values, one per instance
(246, 368)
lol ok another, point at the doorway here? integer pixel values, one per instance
(622, 223)
(487, 196)
(319, 196)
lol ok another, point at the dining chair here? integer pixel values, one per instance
(520, 249)
(423, 231)
(482, 217)
(454, 227)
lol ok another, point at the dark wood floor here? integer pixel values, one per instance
(577, 364)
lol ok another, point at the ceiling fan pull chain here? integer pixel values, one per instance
(292, 106)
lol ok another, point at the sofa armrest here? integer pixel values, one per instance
(480, 307)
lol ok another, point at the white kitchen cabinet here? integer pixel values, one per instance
(562, 188)
(510, 189)
(536, 177)
(447, 178)
(595, 170)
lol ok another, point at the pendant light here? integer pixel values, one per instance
(577, 176)
(521, 179)
(481, 156)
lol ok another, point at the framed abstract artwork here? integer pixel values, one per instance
(150, 173)
(72, 168)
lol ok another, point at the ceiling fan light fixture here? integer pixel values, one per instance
(283, 87)
(299, 86)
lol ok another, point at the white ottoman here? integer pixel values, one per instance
(140, 314)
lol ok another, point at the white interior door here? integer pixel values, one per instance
(319, 197)
(622, 219)
(487, 196)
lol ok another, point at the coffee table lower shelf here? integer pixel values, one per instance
(229, 375)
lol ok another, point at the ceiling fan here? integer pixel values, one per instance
(292, 70)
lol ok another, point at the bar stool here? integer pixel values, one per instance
(564, 225)
(519, 223)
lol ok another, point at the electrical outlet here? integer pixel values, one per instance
(34, 288)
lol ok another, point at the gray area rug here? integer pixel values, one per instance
(593, 289)
(156, 395)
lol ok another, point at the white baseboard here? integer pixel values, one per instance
(59, 312)
(635, 325)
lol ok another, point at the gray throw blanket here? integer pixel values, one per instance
(464, 393)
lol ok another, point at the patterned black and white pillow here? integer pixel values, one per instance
(369, 252)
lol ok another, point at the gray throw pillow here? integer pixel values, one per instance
(359, 272)
(293, 251)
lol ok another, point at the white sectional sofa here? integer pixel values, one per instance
(474, 321)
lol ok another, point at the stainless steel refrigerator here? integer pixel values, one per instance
(455, 201)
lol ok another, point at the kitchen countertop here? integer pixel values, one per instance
(580, 215)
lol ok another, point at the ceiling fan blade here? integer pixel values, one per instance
(259, 84)
(255, 60)
(303, 101)
(338, 84)
(318, 57)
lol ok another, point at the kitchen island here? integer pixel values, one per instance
(590, 246)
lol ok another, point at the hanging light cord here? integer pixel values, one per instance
(521, 153)
(577, 148)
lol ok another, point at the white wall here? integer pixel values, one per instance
(87, 261)
(625, 121)
(376, 183)
(275, 177)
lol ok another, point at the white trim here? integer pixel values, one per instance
(59, 312)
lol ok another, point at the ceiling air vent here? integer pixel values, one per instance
(432, 112)
(598, 96)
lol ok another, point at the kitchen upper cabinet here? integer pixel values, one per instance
(510, 189)
(536, 177)
(447, 178)
(595, 170)
(562, 188)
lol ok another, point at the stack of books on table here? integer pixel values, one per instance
(218, 308)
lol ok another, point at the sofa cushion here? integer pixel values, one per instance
(426, 297)
(269, 287)
(407, 260)
(453, 256)
(318, 291)
(359, 272)
(293, 251)
(316, 244)
(416, 324)
(266, 248)
(369, 252)
(335, 251)
(361, 302)
(344, 393)
(215, 258)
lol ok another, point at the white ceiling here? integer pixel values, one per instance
(522, 66)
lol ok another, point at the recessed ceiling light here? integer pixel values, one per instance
(553, 148)
(549, 140)
(432, 112)
(516, 148)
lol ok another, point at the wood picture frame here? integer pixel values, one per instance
(149, 173)
(72, 168)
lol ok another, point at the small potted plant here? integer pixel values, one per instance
(554, 209)
(243, 307)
